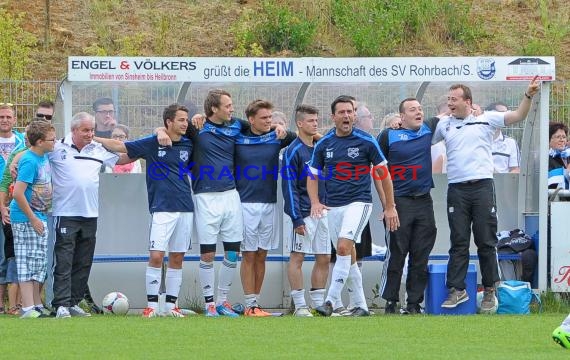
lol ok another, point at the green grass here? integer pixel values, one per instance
(377, 337)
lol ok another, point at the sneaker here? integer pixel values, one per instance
(43, 311)
(412, 309)
(303, 312)
(186, 312)
(211, 310)
(256, 311)
(225, 309)
(455, 298)
(325, 309)
(390, 308)
(94, 309)
(13, 311)
(488, 303)
(77, 311)
(341, 311)
(149, 313)
(358, 311)
(174, 312)
(31, 314)
(62, 313)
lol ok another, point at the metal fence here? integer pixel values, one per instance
(140, 106)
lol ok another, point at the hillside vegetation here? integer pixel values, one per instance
(39, 47)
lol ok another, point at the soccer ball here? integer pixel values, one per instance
(480, 298)
(115, 303)
(561, 337)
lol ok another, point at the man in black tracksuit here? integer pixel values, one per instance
(409, 157)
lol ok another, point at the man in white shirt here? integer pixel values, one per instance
(75, 164)
(471, 191)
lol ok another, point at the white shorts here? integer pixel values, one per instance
(171, 231)
(316, 239)
(218, 217)
(259, 227)
(348, 221)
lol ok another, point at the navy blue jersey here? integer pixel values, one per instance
(257, 165)
(409, 156)
(167, 182)
(294, 174)
(345, 163)
(213, 156)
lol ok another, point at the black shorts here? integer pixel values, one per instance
(363, 249)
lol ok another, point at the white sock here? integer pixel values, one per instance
(250, 300)
(338, 302)
(357, 297)
(173, 284)
(338, 279)
(225, 278)
(350, 290)
(207, 278)
(153, 285)
(299, 298)
(317, 297)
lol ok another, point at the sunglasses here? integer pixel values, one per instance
(42, 116)
(7, 104)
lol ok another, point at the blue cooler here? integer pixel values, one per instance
(436, 292)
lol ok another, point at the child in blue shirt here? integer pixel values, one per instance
(32, 199)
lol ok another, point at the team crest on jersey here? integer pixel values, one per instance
(227, 131)
(353, 153)
(184, 155)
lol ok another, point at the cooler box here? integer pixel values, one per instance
(436, 292)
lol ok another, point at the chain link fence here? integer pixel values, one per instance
(140, 105)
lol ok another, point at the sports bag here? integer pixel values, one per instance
(515, 297)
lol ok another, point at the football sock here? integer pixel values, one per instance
(337, 303)
(152, 285)
(350, 290)
(357, 295)
(338, 279)
(298, 298)
(317, 297)
(173, 284)
(207, 278)
(226, 276)
(250, 300)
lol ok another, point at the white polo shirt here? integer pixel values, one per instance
(506, 153)
(75, 177)
(468, 142)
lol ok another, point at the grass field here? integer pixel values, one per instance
(377, 337)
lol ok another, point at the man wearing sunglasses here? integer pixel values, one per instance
(104, 117)
(45, 110)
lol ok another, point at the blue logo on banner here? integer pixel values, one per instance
(486, 68)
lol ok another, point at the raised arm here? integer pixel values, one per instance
(521, 112)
